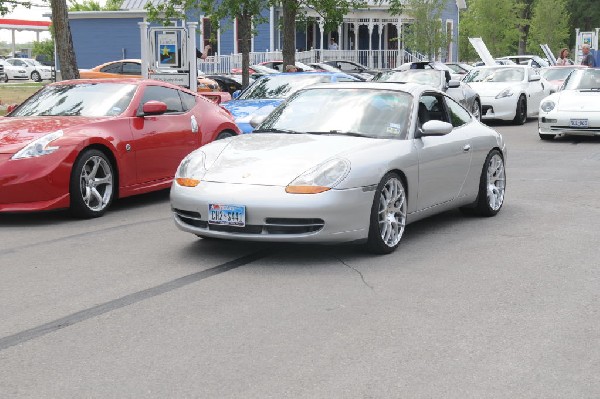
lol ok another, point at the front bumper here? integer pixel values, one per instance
(558, 123)
(35, 184)
(273, 215)
(499, 108)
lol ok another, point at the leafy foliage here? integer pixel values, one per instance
(45, 48)
(426, 34)
(549, 25)
(92, 5)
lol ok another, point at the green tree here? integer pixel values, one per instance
(524, 8)
(332, 12)
(549, 25)
(497, 26)
(426, 34)
(91, 5)
(44, 48)
(585, 15)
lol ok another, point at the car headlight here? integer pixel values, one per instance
(505, 93)
(40, 146)
(191, 170)
(321, 178)
(547, 106)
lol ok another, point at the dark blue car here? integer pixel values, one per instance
(266, 93)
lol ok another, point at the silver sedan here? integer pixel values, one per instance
(351, 162)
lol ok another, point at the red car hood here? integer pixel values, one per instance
(16, 133)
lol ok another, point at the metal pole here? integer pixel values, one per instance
(193, 65)
(144, 53)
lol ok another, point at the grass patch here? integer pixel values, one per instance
(16, 93)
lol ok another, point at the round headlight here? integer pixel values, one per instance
(547, 106)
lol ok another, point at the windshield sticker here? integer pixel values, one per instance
(394, 128)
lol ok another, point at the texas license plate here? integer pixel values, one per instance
(579, 123)
(229, 215)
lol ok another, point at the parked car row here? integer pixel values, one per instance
(24, 69)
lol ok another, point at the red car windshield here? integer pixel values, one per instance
(83, 99)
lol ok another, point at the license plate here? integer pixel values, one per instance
(230, 215)
(579, 123)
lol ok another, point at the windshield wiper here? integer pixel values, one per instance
(340, 133)
(274, 130)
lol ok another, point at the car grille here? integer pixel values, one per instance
(272, 226)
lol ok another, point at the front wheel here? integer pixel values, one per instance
(5, 79)
(36, 77)
(547, 136)
(92, 184)
(521, 112)
(388, 215)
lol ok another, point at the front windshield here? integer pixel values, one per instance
(583, 79)
(83, 99)
(263, 69)
(363, 112)
(429, 77)
(495, 75)
(558, 73)
(281, 86)
(327, 67)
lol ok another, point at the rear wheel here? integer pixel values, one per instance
(92, 184)
(225, 134)
(5, 79)
(492, 185)
(388, 215)
(521, 114)
(476, 110)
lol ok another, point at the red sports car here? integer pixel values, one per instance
(79, 144)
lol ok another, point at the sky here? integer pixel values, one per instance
(32, 14)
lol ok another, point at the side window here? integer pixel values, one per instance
(165, 95)
(112, 68)
(458, 115)
(431, 107)
(132, 68)
(344, 79)
(11, 62)
(188, 100)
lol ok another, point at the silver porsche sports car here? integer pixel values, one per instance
(340, 163)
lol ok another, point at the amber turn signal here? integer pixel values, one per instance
(306, 189)
(187, 182)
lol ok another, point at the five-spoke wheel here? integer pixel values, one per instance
(388, 215)
(92, 182)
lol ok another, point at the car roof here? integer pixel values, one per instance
(410, 88)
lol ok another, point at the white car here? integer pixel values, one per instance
(35, 70)
(529, 60)
(12, 72)
(508, 92)
(575, 110)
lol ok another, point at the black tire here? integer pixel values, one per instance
(84, 203)
(521, 112)
(36, 77)
(5, 79)
(224, 134)
(547, 136)
(376, 243)
(476, 110)
(482, 205)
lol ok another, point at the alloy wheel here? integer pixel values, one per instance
(96, 183)
(392, 212)
(496, 181)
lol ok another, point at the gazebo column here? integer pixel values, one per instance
(321, 26)
(340, 37)
(380, 28)
(399, 38)
(370, 58)
(355, 38)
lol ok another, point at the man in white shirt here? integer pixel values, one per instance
(332, 44)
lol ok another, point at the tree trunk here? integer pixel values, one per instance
(245, 27)
(290, 9)
(527, 6)
(64, 42)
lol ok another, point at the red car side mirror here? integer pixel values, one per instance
(154, 108)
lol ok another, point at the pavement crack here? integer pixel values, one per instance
(356, 270)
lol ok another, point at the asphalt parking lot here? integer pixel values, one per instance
(128, 306)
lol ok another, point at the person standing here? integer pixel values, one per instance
(332, 44)
(563, 57)
(588, 58)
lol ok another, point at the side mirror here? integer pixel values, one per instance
(154, 108)
(453, 84)
(534, 78)
(436, 128)
(257, 120)
(236, 94)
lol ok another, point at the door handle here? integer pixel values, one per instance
(467, 148)
(194, 124)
